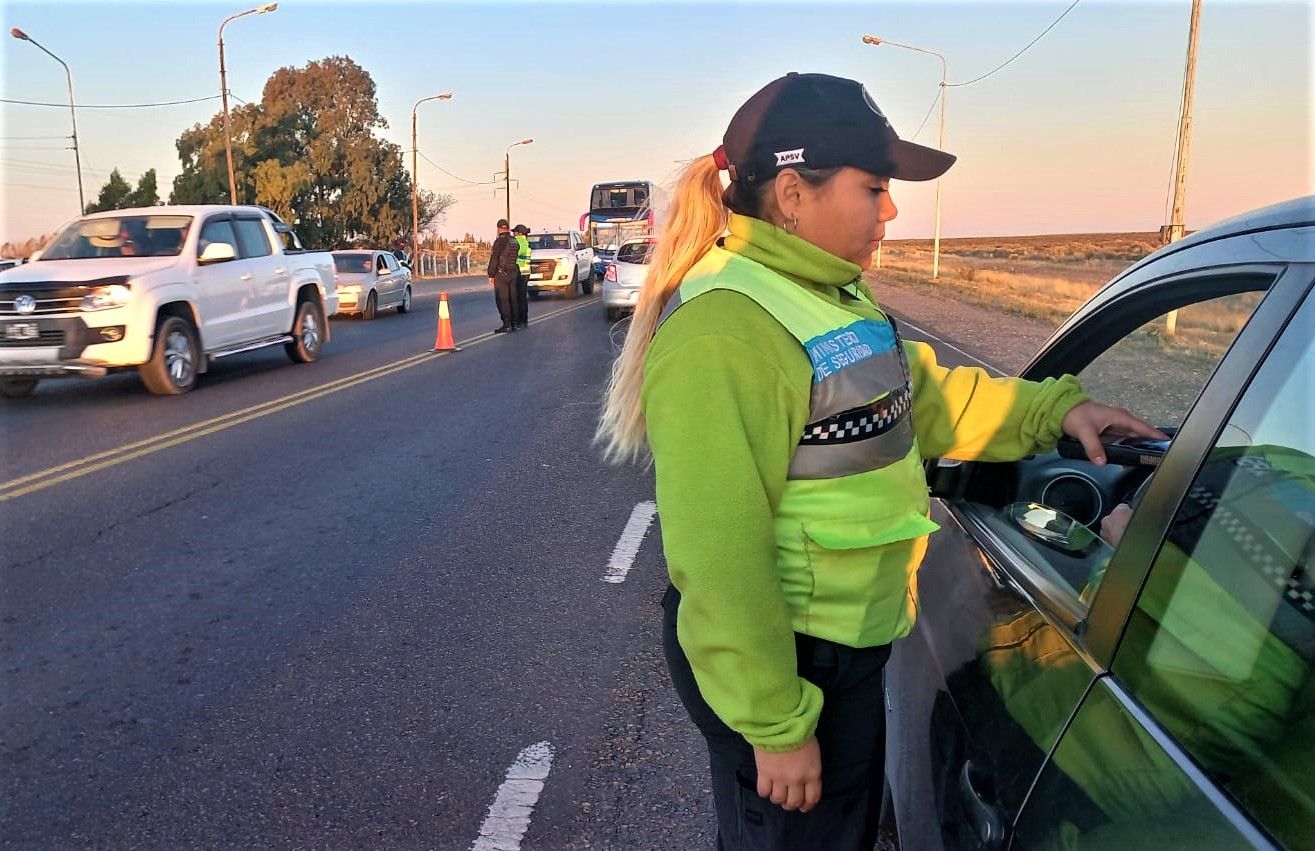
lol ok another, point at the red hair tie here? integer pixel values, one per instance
(719, 157)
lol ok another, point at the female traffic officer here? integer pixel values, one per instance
(788, 422)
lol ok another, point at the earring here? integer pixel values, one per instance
(794, 221)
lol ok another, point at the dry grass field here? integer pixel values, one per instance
(1047, 277)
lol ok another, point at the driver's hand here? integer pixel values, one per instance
(1088, 420)
(1114, 524)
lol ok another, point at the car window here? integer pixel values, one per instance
(216, 230)
(635, 252)
(380, 264)
(1157, 374)
(1220, 647)
(252, 237)
(391, 261)
(353, 263)
(1147, 371)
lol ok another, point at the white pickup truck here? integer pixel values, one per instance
(164, 291)
(562, 262)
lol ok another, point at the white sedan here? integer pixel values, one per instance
(625, 276)
(369, 281)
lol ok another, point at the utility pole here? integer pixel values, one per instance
(1184, 145)
(506, 173)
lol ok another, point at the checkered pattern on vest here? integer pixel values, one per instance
(860, 423)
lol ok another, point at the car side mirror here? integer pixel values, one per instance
(217, 252)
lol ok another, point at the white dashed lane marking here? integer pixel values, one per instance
(509, 815)
(628, 545)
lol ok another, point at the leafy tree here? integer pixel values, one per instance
(309, 151)
(113, 195)
(117, 194)
(146, 194)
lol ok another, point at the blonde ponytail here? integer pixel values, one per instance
(697, 218)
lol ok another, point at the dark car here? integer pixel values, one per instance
(1057, 692)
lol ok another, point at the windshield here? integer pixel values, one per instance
(619, 197)
(122, 236)
(550, 240)
(353, 262)
(635, 252)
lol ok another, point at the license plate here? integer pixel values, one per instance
(534, 277)
(22, 331)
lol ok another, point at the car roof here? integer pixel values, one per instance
(638, 240)
(1295, 213)
(177, 210)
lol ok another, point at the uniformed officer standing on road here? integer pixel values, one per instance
(502, 276)
(523, 275)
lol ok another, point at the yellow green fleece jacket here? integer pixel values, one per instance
(726, 399)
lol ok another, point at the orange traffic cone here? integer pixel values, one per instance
(443, 342)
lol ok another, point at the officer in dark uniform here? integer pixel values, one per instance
(502, 274)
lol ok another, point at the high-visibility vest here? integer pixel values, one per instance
(522, 254)
(852, 524)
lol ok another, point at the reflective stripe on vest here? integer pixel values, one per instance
(852, 523)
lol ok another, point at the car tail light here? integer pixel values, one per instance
(610, 275)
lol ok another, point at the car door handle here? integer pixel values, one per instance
(246, 276)
(280, 270)
(982, 815)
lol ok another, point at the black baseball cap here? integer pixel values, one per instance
(502, 223)
(521, 229)
(818, 121)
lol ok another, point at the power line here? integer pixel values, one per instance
(939, 93)
(455, 176)
(1021, 52)
(108, 105)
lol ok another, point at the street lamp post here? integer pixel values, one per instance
(223, 91)
(506, 169)
(77, 158)
(415, 178)
(936, 247)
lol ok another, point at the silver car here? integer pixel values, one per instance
(370, 281)
(625, 275)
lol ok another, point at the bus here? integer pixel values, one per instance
(621, 209)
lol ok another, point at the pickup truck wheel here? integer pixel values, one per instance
(18, 388)
(172, 367)
(307, 333)
(572, 290)
(405, 306)
(371, 307)
(588, 283)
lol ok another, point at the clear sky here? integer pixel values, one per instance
(1077, 135)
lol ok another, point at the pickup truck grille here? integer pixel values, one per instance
(45, 304)
(543, 268)
(52, 296)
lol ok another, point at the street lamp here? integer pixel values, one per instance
(77, 159)
(875, 41)
(223, 91)
(415, 177)
(506, 168)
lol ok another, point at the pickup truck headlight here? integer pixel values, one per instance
(103, 298)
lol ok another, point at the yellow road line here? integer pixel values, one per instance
(52, 476)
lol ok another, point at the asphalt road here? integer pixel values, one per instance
(329, 605)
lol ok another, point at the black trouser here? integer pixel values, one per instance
(851, 734)
(504, 290)
(523, 299)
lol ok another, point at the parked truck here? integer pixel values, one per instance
(164, 291)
